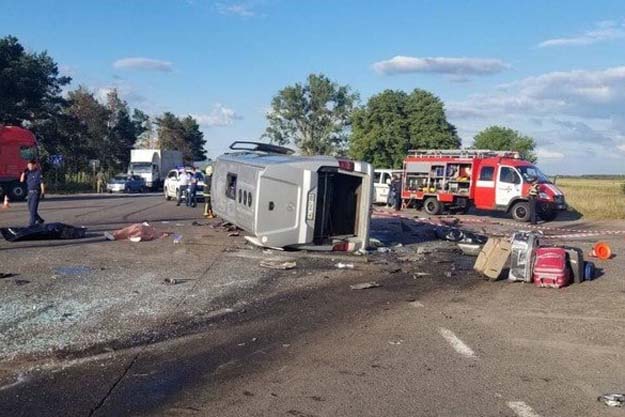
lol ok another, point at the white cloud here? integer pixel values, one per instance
(237, 9)
(146, 64)
(219, 116)
(458, 67)
(547, 154)
(603, 31)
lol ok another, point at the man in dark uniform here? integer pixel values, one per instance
(533, 196)
(34, 181)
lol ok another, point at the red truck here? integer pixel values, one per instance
(17, 147)
(455, 180)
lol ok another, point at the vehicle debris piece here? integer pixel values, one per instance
(612, 400)
(170, 281)
(233, 234)
(342, 265)
(384, 249)
(365, 285)
(47, 231)
(177, 238)
(278, 264)
(493, 258)
(421, 274)
(470, 249)
(138, 232)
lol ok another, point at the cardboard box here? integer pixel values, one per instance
(493, 258)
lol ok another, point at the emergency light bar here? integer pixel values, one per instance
(464, 153)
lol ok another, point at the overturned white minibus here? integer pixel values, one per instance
(287, 201)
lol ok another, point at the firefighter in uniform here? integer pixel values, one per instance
(208, 206)
(533, 196)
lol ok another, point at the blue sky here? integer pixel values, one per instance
(550, 69)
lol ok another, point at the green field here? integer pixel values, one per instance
(594, 198)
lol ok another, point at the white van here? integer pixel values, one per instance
(381, 180)
(282, 200)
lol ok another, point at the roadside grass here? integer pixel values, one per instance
(594, 198)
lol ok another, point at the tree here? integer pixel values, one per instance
(500, 138)
(122, 131)
(30, 84)
(195, 138)
(314, 116)
(393, 122)
(182, 135)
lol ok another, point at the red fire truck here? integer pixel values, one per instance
(17, 147)
(454, 180)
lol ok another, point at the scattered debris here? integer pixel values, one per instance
(384, 250)
(5, 275)
(365, 285)
(421, 274)
(470, 249)
(341, 265)
(233, 234)
(612, 400)
(170, 281)
(196, 223)
(395, 342)
(47, 231)
(20, 282)
(278, 264)
(177, 238)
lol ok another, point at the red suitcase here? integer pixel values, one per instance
(551, 268)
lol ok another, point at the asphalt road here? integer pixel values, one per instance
(235, 339)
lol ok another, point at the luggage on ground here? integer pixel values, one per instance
(522, 256)
(551, 268)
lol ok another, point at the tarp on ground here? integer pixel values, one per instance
(48, 231)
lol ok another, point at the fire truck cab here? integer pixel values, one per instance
(17, 147)
(455, 180)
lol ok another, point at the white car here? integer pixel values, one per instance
(381, 180)
(171, 187)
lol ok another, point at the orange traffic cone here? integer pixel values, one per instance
(6, 205)
(601, 250)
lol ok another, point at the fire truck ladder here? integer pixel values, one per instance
(462, 153)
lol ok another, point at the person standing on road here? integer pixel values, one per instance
(396, 192)
(36, 189)
(208, 205)
(532, 197)
(99, 178)
(192, 194)
(183, 185)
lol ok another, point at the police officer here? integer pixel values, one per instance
(192, 194)
(208, 205)
(533, 196)
(36, 189)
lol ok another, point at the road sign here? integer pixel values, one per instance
(57, 160)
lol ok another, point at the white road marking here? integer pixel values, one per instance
(455, 342)
(521, 409)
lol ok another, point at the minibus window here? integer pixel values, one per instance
(231, 186)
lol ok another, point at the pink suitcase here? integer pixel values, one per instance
(551, 268)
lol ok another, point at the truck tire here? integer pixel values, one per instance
(432, 206)
(17, 191)
(521, 211)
